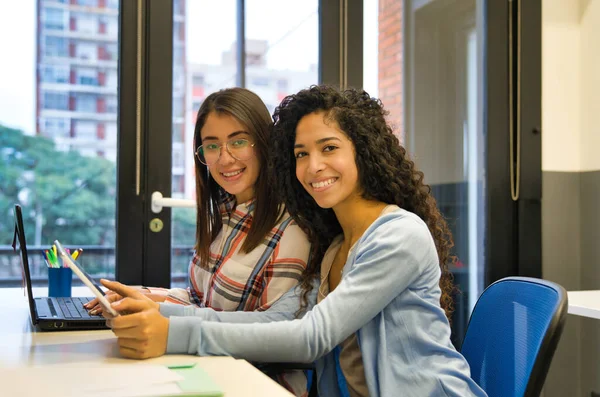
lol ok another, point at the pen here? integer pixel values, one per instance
(44, 254)
(77, 253)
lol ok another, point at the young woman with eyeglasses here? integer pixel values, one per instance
(248, 250)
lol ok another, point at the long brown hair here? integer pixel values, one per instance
(247, 108)
(385, 171)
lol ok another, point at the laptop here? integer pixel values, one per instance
(52, 314)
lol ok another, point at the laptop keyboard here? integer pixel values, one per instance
(73, 307)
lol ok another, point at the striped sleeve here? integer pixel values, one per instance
(286, 266)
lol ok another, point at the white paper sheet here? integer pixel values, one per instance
(93, 381)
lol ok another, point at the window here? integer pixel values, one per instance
(260, 81)
(111, 131)
(114, 4)
(86, 103)
(86, 130)
(55, 73)
(111, 79)
(56, 100)
(54, 19)
(56, 47)
(196, 106)
(86, 50)
(111, 104)
(198, 80)
(112, 52)
(112, 27)
(86, 23)
(56, 127)
(178, 109)
(87, 76)
(178, 156)
(282, 85)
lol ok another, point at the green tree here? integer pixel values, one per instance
(74, 196)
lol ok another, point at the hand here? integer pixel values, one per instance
(141, 330)
(94, 307)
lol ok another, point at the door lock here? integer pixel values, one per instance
(156, 225)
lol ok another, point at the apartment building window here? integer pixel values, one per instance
(111, 52)
(198, 80)
(86, 130)
(87, 76)
(111, 79)
(114, 4)
(282, 85)
(56, 46)
(54, 18)
(87, 23)
(56, 100)
(109, 26)
(177, 109)
(86, 103)
(111, 104)
(91, 3)
(56, 127)
(110, 132)
(178, 155)
(86, 50)
(55, 73)
(260, 81)
(195, 107)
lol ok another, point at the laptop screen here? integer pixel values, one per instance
(19, 238)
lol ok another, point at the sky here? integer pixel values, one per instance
(289, 26)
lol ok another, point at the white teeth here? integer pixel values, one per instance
(228, 174)
(323, 183)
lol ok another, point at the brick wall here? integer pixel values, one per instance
(391, 61)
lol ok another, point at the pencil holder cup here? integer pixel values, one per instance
(59, 281)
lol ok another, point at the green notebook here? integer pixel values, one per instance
(196, 382)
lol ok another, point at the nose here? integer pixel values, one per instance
(225, 158)
(315, 164)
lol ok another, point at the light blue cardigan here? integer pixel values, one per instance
(389, 294)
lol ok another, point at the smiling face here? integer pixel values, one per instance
(237, 177)
(325, 161)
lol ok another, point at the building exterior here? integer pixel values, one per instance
(77, 63)
(77, 75)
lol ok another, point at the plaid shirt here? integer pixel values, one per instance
(235, 280)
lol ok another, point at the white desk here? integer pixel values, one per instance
(585, 303)
(21, 345)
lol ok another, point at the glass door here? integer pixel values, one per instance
(455, 76)
(444, 130)
(58, 131)
(280, 58)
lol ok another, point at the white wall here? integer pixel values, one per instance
(589, 14)
(570, 85)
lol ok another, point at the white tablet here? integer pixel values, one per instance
(82, 276)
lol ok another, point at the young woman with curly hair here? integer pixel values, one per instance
(380, 326)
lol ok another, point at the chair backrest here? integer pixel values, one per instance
(512, 335)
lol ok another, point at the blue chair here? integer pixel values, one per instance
(512, 335)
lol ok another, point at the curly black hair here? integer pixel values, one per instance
(385, 173)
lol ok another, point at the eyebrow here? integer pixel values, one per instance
(233, 134)
(319, 141)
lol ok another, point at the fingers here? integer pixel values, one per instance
(94, 302)
(91, 304)
(97, 309)
(130, 305)
(121, 289)
(136, 320)
(129, 353)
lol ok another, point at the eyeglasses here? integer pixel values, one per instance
(239, 149)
